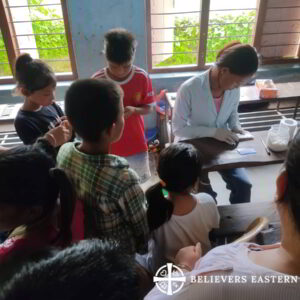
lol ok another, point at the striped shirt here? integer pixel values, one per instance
(114, 204)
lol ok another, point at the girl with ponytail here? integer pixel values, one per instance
(36, 82)
(176, 216)
(32, 190)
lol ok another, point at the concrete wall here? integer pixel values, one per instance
(89, 21)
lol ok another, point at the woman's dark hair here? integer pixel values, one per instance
(292, 192)
(240, 59)
(29, 178)
(120, 45)
(179, 167)
(33, 74)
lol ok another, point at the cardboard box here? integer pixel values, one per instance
(267, 88)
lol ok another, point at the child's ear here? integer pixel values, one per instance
(281, 184)
(25, 92)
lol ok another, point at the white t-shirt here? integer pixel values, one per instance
(243, 278)
(186, 230)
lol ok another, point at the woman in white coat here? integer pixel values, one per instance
(207, 106)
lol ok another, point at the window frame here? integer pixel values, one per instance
(10, 42)
(262, 7)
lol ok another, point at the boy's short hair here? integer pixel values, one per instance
(119, 45)
(92, 106)
(91, 269)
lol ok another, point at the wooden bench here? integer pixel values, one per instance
(235, 218)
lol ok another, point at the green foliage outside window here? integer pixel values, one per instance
(4, 67)
(51, 40)
(44, 41)
(214, 42)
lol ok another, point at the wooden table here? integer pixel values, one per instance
(220, 155)
(249, 95)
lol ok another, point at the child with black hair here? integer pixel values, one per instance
(177, 217)
(30, 187)
(119, 47)
(39, 113)
(114, 205)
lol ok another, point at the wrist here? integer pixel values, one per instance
(51, 139)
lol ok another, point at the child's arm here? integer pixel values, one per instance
(147, 97)
(141, 110)
(136, 212)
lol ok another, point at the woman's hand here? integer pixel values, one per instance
(187, 256)
(226, 136)
(60, 134)
(239, 130)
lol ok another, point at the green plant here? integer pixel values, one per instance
(217, 37)
(45, 37)
(54, 40)
(4, 67)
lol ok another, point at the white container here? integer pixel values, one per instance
(278, 138)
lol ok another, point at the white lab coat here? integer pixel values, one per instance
(195, 113)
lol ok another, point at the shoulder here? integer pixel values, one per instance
(65, 152)
(57, 109)
(22, 116)
(99, 74)
(228, 256)
(138, 72)
(194, 84)
(205, 199)
(233, 94)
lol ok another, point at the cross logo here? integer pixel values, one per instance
(169, 279)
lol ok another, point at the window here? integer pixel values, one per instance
(185, 35)
(37, 27)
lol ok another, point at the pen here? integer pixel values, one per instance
(266, 148)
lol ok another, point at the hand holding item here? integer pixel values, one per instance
(186, 257)
(226, 136)
(128, 111)
(239, 130)
(60, 134)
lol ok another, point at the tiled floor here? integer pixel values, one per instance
(262, 178)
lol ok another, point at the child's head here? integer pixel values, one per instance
(179, 167)
(94, 107)
(35, 80)
(94, 268)
(119, 48)
(30, 186)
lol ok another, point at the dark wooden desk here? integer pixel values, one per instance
(220, 155)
